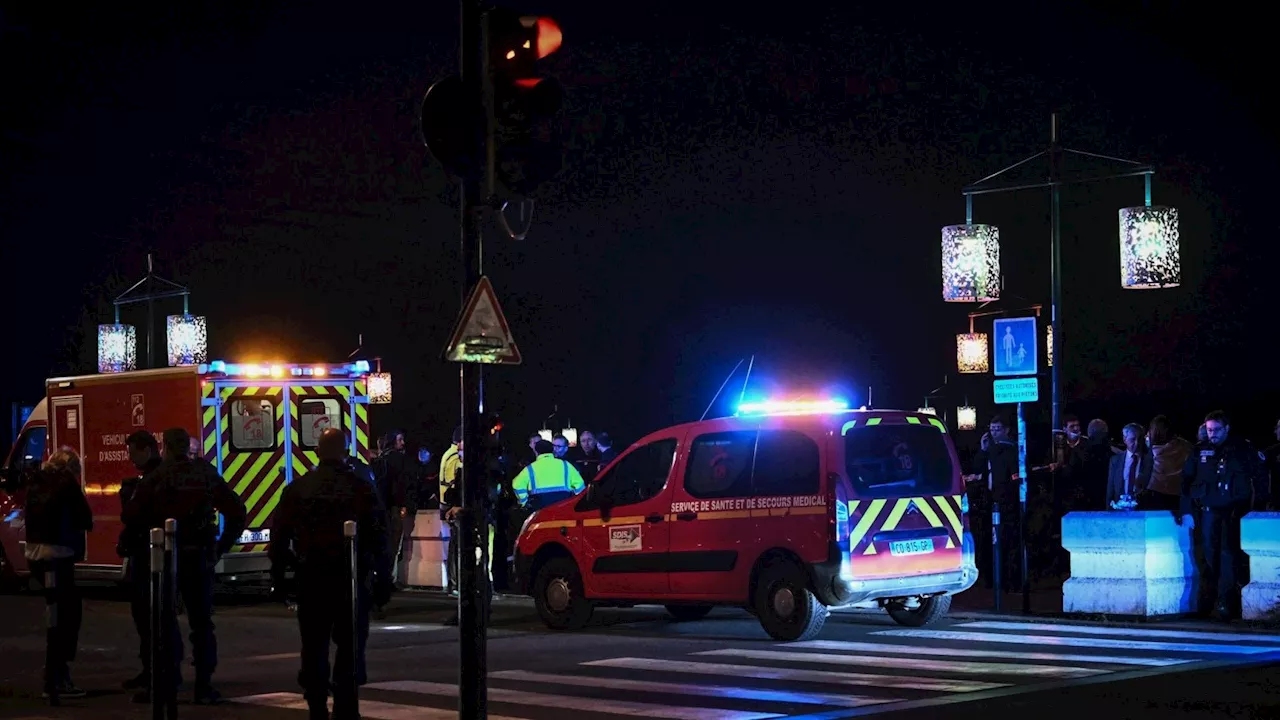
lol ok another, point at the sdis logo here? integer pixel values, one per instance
(624, 538)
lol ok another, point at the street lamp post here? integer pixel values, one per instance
(1148, 238)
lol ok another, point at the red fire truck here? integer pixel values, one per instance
(256, 423)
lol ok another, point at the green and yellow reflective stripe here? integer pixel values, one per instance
(865, 522)
(938, 424)
(874, 421)
(945, 504)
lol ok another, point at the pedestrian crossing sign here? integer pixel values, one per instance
(1015, 347)
(482, 335)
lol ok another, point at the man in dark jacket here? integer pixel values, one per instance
(1224, 479)
(997, 463)
(133, 546)
(190, 492)
(307, 536)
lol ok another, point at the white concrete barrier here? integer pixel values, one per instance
(1260, 540)
(425, 564)
(1129, 563)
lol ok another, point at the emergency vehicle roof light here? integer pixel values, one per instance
(362, 366)
(793, 407)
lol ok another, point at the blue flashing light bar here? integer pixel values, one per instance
(280, 370)
(793, 407)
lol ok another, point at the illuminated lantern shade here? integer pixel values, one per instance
(971, 353)
(970, 263)
(117, 348)
(571, 434)
(1048, 344)
(379, 388)
(966, 417)
(188, 340)
(545, 434)
(1149, 249)
(928, 411)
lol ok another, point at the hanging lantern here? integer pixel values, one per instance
(972, 353)
(928, 411)
(571, 434)
(967, 417)
(188, 340)
(117, 348)
(970, 263)
(1048, 344)
(1149, 248)
(379, 388)
(545, 434)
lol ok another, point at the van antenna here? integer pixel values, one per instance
(743, 395)
(717, 395)
(869, 405)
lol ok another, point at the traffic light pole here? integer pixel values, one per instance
(472, 519)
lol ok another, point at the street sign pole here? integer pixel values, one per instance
(472, 655)
(1022, 510)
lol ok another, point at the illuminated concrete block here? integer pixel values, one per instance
(1129, 563)
(426, 558)
(1260, 540)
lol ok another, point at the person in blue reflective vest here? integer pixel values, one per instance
(546, 480)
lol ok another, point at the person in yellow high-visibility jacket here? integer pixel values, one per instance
(546, 480)
(450, 472)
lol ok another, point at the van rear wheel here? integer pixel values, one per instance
(926, 612)
(688, 613)
(788, 610)
(559, 597)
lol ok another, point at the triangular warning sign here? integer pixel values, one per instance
(482, 335)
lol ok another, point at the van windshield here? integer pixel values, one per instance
(897, 460)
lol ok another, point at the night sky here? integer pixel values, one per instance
(736, 182)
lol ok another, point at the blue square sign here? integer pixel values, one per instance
(1014, 347)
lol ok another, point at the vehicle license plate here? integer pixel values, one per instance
(255, 536)
(911, 547)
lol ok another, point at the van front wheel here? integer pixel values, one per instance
(559, 597)
(918, 614)
(787, 608)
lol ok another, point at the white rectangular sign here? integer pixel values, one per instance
(1016, 390)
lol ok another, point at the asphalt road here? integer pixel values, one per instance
(638, 663)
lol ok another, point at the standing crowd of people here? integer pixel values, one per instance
(1208, 486)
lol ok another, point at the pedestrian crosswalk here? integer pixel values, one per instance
(884, 669)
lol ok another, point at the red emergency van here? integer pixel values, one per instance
(787, 509)
(258, 424)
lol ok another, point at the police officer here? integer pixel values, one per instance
(307, 536)
(450, 474)
(144, 453)
(190, 492)
(546, 480)
(1223, 480)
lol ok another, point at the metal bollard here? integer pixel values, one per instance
(160, 662)
(171, 604)
(53, 644)
(1022, 537)
(349, 532)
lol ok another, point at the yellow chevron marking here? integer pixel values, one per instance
(321, 390)
(360, 387)
(264, 484)
(300, 389)
(298, 467)
(343, 391)
(209, 414)
(865, 522)
(312, 457)
(871, 549)
(233, 470)
(938, 424)
(362, 412)
(927, 510)
(913, 420)
(895, 515)
(944, 502)
(873, 421)
(272, 392)
(226, 392)
(247, 479)
(210, 441)
(251, 390)
(853, 507)
(207, 388)
(224, 424)
(950, 544)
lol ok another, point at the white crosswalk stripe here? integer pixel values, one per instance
(818, 678)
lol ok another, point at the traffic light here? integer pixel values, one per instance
(528, 149)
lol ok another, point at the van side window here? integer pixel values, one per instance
(315, 415)
(253, 425)
(787, 463)
(638, 476)
(720, 465)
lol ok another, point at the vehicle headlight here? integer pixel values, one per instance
(527, 520)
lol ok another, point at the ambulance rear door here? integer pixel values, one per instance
(249, 449)
(316, 405)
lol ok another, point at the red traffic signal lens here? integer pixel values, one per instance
(549, 37)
